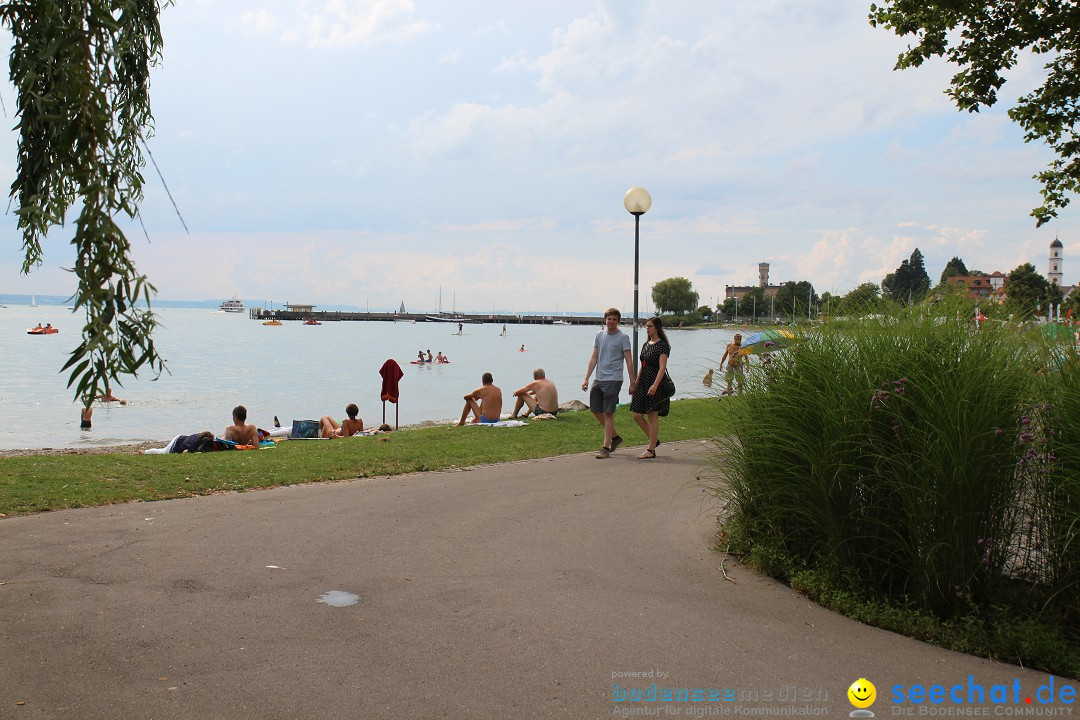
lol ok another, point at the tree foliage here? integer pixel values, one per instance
(754, 303)
(792, 298)
(985, 39)
(864, 299)
(909, 283)
(1027, 292)
(81, 72)
(954, 268)
(674, 295)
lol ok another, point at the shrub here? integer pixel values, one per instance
(918, 461)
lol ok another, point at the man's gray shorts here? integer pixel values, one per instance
(604, 396)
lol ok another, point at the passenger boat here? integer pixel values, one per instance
(232, 306)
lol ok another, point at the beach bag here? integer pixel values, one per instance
(304, 429)
(667, 386)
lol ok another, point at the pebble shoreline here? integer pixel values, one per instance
(130, 449)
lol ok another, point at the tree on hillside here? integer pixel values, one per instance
(81, 73)
(954, 268)
(792, 298)
(909, 283)
(675, 295)
(986, 38)
(1026, 291)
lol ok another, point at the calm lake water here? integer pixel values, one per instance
(217, 360)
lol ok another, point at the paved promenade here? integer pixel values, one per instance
(523, 590)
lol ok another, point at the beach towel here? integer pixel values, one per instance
(304, 429)
(391, 373)
(501, 423)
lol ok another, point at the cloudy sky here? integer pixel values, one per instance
(369, 152)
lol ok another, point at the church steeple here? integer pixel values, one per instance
(1056, 261)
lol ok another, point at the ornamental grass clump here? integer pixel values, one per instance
(919, 461)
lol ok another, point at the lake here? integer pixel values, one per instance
(217, 360)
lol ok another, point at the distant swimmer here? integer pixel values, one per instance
(430, 357)
(441, 358)
(85, 418)
(107, 396)
(420, 357)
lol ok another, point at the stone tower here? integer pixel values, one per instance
(1055, 274)
(763, 274)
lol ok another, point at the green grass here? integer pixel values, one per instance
(51, 482)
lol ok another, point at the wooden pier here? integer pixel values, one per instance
(325, 316)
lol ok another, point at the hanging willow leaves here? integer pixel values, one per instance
(81, 71)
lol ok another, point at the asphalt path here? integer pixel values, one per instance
(539, 589)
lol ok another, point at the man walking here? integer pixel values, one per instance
(610, 349)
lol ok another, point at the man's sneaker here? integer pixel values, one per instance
(616, 442)
(604, 454)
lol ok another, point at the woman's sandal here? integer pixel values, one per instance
(647, 455)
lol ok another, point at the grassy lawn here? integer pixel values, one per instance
(52, 482)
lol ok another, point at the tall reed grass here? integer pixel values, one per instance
(917, 460)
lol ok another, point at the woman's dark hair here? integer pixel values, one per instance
(659, 325)
(351, 410)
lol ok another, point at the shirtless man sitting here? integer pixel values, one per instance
(240, 432)
(540, 395)
(348, 427)
(485, 402)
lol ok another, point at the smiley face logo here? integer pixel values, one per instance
(862, 693)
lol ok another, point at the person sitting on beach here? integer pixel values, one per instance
(347, 428)
(485, 402)
(241, 432)
(441, 358)
(539, 395)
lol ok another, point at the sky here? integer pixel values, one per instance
(378, 152)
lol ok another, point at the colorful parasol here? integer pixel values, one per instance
(766, 341)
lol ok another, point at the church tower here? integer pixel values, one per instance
(1055, 274)
(763, 274)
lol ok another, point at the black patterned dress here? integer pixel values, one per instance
(642, 402)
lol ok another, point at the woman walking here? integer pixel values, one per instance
(650, 403)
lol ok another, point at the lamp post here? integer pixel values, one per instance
(637, 202)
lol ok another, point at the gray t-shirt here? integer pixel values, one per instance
(609, 357)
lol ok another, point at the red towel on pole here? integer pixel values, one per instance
(391, 373)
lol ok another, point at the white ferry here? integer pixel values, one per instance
(233, 306)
